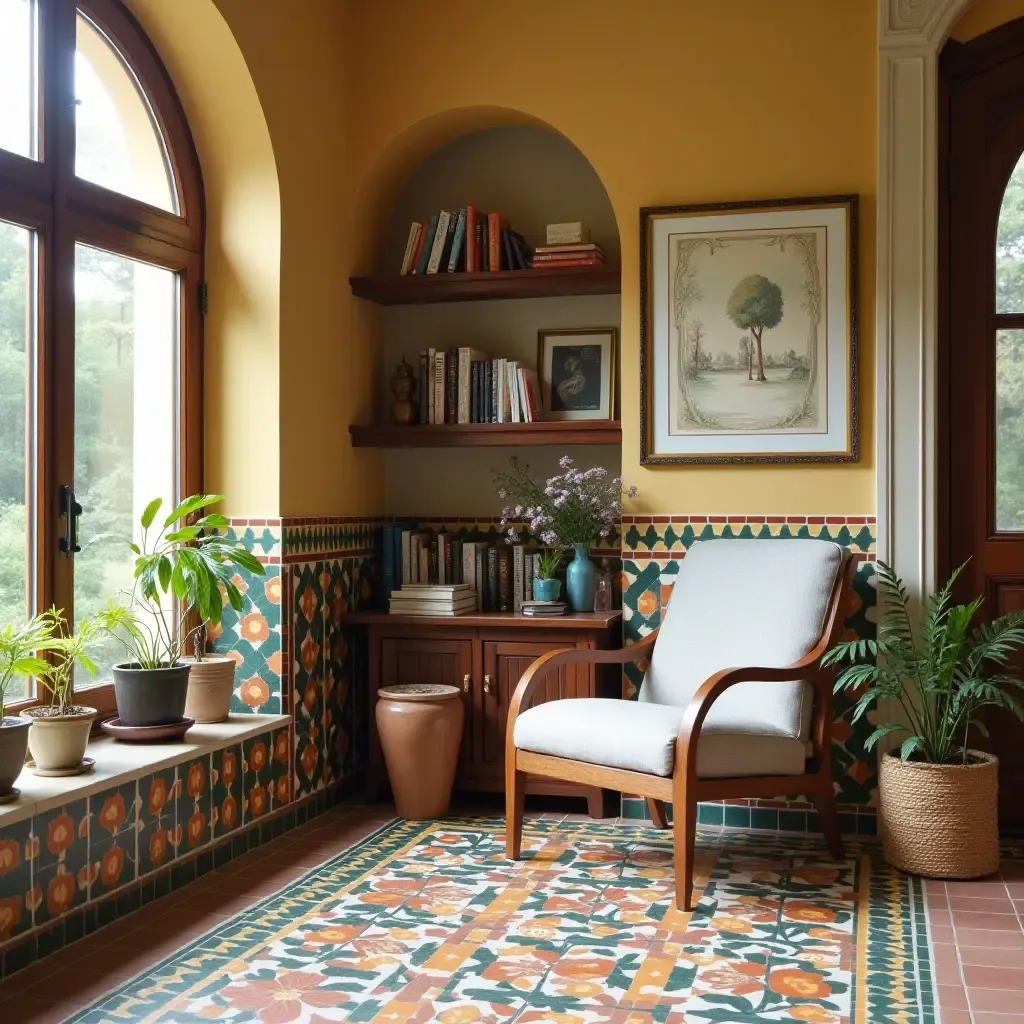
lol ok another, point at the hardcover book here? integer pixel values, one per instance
(471, 239)
(458, 240)
(439, 382)
(410, 247)
(451, 386)
(493, 583)
(464, 391)
(440, 238)
(428, 244)
(422, 389)
(482, 582)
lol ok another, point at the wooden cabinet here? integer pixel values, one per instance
(485, 656)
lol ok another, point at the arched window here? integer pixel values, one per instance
(101, 236)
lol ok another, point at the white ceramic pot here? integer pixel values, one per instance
(58, 742)
(211, 682)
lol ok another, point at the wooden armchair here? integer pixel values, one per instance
(701, 730)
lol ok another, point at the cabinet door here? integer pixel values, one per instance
(448, 662)
(504, 665)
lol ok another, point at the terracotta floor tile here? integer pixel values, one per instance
(945, 933)
(990, 939)
(934, 885)
(1016, 890)
(986, 922)
(995, 1000)
(978, 904)
(986, 887)
(986, 956)
(952, 997)
(954, 1016)
(998, 1018)
(939, 917)
(995, 977)
(944, 953)
(947, 972)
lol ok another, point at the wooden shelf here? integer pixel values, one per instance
(416, 289)
(494, 620)
(455, 435)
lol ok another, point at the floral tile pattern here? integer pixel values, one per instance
(265, 779)
(253, 636)
(112, 839)
(60, 873)
(306, 537)
(653, 547)
(226, 789)
(192, 804)
(428, 922)
(17, 848)
(308, 674)
(160, 837)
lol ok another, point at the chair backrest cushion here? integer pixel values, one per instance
(740, 603)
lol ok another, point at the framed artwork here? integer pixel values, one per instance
(577, 373)
(748, 332)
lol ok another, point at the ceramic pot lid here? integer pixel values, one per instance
(418, 691)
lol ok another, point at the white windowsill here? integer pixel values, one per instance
(117, 763)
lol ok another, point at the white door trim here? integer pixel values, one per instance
(910, 35)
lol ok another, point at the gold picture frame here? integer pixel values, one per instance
(572, 386)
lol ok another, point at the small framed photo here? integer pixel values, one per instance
(577, 373)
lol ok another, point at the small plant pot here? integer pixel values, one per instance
(151, 696)
(57, 740)
(546, 590)
(13, 745)
(211, 682)
(940, 820)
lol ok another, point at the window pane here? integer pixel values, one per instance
(126, 359)
(1010, 245)
(18, 77)
(118, 143)
(1010, 430)
(17, 451)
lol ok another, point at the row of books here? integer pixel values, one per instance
(461, 385)
(464, 240)
(433, 599)
(500, 575)
(574, 254)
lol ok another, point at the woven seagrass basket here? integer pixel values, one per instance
(940, 820)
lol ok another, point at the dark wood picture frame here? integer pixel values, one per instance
(648, 454)
(545, 389)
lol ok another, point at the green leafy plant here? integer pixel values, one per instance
(941, 678)
(71, 649)
(549, 563)
(192, 564)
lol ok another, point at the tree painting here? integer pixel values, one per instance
(755, 305)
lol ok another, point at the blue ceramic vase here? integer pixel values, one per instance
(546, 590)
(581, 580)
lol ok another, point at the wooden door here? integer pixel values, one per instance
(504, 662)
(981, 385)
(448, 662)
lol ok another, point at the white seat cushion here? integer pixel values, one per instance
(641, 738)
(738, 603)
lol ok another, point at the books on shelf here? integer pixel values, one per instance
(571, 233)
(427, 599)
(546, 609)
(463, 385)
(466, 240)
(580, 254)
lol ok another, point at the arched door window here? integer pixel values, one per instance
(101, 234)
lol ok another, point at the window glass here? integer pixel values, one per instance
(118, 144)
(1010, 430)
(126, 430)
(17, 456)
(1010, 245)
(18, 77)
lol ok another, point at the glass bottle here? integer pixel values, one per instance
(603, 597)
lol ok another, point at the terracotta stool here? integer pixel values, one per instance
(420, 729)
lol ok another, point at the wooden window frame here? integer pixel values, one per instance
(44, 195)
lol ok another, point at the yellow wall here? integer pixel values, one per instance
(984, 15)
(672, 102)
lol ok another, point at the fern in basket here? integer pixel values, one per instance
(941, 678)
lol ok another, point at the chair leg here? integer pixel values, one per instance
(656, 809)
(515, 798)
(829, 817)
(684, 836)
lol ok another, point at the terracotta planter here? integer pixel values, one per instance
(13, 744)
(940, 820)
(58, 741)
(420, 729)
(211, 682)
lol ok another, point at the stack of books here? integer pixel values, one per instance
(462, 385)
(465, 240)
(548, 609)
(568, 245)
(433, 599)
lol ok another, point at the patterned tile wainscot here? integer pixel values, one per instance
(652, 548)
(147, 820)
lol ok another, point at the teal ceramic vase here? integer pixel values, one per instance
(581, 580)
(546, 590)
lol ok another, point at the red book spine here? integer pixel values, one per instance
(494, 241)
(421, 239)
(471, 257)
(591, 262)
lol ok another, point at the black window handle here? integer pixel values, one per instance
(70, 510)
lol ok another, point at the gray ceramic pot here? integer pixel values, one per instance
(13, 746)
(150, 696)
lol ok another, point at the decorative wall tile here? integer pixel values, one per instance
(160, 840)
(653, 547)
(320, 536)
(60, 875)
(226, 790)
(308, 673)
(280, 783)
(112, 839)
(257, 777)
(17, 850)
(192, 804)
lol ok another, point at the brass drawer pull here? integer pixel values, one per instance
(487, 684)
(465, 683)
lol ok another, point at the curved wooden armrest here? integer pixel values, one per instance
(570, 655)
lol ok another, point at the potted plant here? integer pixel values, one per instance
(180, 574)
(59, 730)
(546, 587)
(573, 509)
(21, 650)
(211, 681)
(938, 813)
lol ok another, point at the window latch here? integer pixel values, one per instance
(70, 510)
